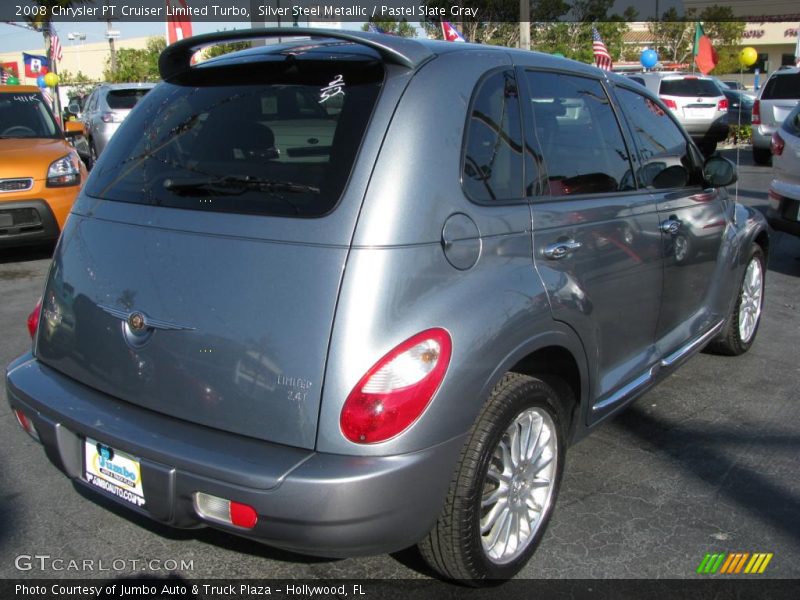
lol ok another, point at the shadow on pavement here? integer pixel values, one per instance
(701, 452)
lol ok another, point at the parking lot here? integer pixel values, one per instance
(706, 462)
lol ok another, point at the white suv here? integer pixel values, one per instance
(696, 100)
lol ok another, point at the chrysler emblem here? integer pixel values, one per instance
(136, 321)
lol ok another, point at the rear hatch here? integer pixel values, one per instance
(199, 274)
(121, 101)
(697, 100)
(780, 95)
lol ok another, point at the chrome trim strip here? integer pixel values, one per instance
(691, 346)
(626, 390)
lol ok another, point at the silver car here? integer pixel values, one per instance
(366, 299)
(783, 212)
(106, 108)
(776, 100)
(696, 100)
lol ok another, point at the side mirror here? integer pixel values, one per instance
(74, 108)
(73, 128)
(719, 171)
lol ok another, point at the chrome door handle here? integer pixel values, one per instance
(670, 226)
(561, 249)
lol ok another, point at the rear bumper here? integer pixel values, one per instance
(323, 504)
(716, 132)
(27, 222)
(762, 135)
(786, 215)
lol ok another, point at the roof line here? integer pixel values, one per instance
(175, 60)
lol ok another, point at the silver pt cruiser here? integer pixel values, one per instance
(349, 293)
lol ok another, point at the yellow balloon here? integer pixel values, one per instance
(748, 56)
(51, 80)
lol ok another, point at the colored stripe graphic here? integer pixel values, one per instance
(734, 563)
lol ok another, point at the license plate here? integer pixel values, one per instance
(696, 113)
(113, 471)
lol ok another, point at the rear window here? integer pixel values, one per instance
(698, 88)
(124, 99)
(782, 87)
(278, 137)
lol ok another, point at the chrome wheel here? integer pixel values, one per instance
(681, 248)
(750, 304)
(519, 484)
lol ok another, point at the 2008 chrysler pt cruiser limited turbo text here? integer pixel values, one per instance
(350, 293)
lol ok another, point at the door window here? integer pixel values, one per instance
(664, 152)
(582, 145)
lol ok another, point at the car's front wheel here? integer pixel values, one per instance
(504, 487)
(742, 325)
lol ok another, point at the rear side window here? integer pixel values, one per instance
(492, 162)
(782, 87)
(282, 142)
(689, 86)
(579, 136)
(663, 150)
(124, 99)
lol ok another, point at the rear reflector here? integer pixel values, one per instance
(776, 144)
(213, 508)
(774, 200)
(26, 424)
(33, 318)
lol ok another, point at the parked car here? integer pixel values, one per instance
(778, 97)
(740, 107)
(40, 171)
(696, 100)
(783, 212)
(350, 336)
(733, 84)
(106, 108)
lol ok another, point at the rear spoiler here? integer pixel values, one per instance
(176, 59)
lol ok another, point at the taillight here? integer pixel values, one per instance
(26, 424)
(671, 104)
(776, 144)
(395, 391)
(756, 116)
(722, 104)
(33, 318)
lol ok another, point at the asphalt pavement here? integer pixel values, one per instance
(707, 462)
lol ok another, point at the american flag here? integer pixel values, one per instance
(56, 53)
(3, 76)
(601, 56)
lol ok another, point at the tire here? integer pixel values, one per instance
(518, 406)
(742, 324)
(762, 156)
(708, 148)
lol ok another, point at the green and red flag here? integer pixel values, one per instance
(705, 57)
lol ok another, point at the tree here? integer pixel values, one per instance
(673, 36)
(402, 28)
(136, 64)
(220, 49)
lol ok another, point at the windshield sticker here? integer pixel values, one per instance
(334, 88)
(30, 98)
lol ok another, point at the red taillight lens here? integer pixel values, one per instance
(395, 391)
(226, 511)
(243, 515)
(33, 318)
(722, 104)
(671, 104)
(776, 144)
(756, 117)
(26, 424)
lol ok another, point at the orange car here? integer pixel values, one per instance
(41, 173)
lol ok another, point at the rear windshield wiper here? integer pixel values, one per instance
(236, 184)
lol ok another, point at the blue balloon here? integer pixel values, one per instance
(40, 81)
(649, 58)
